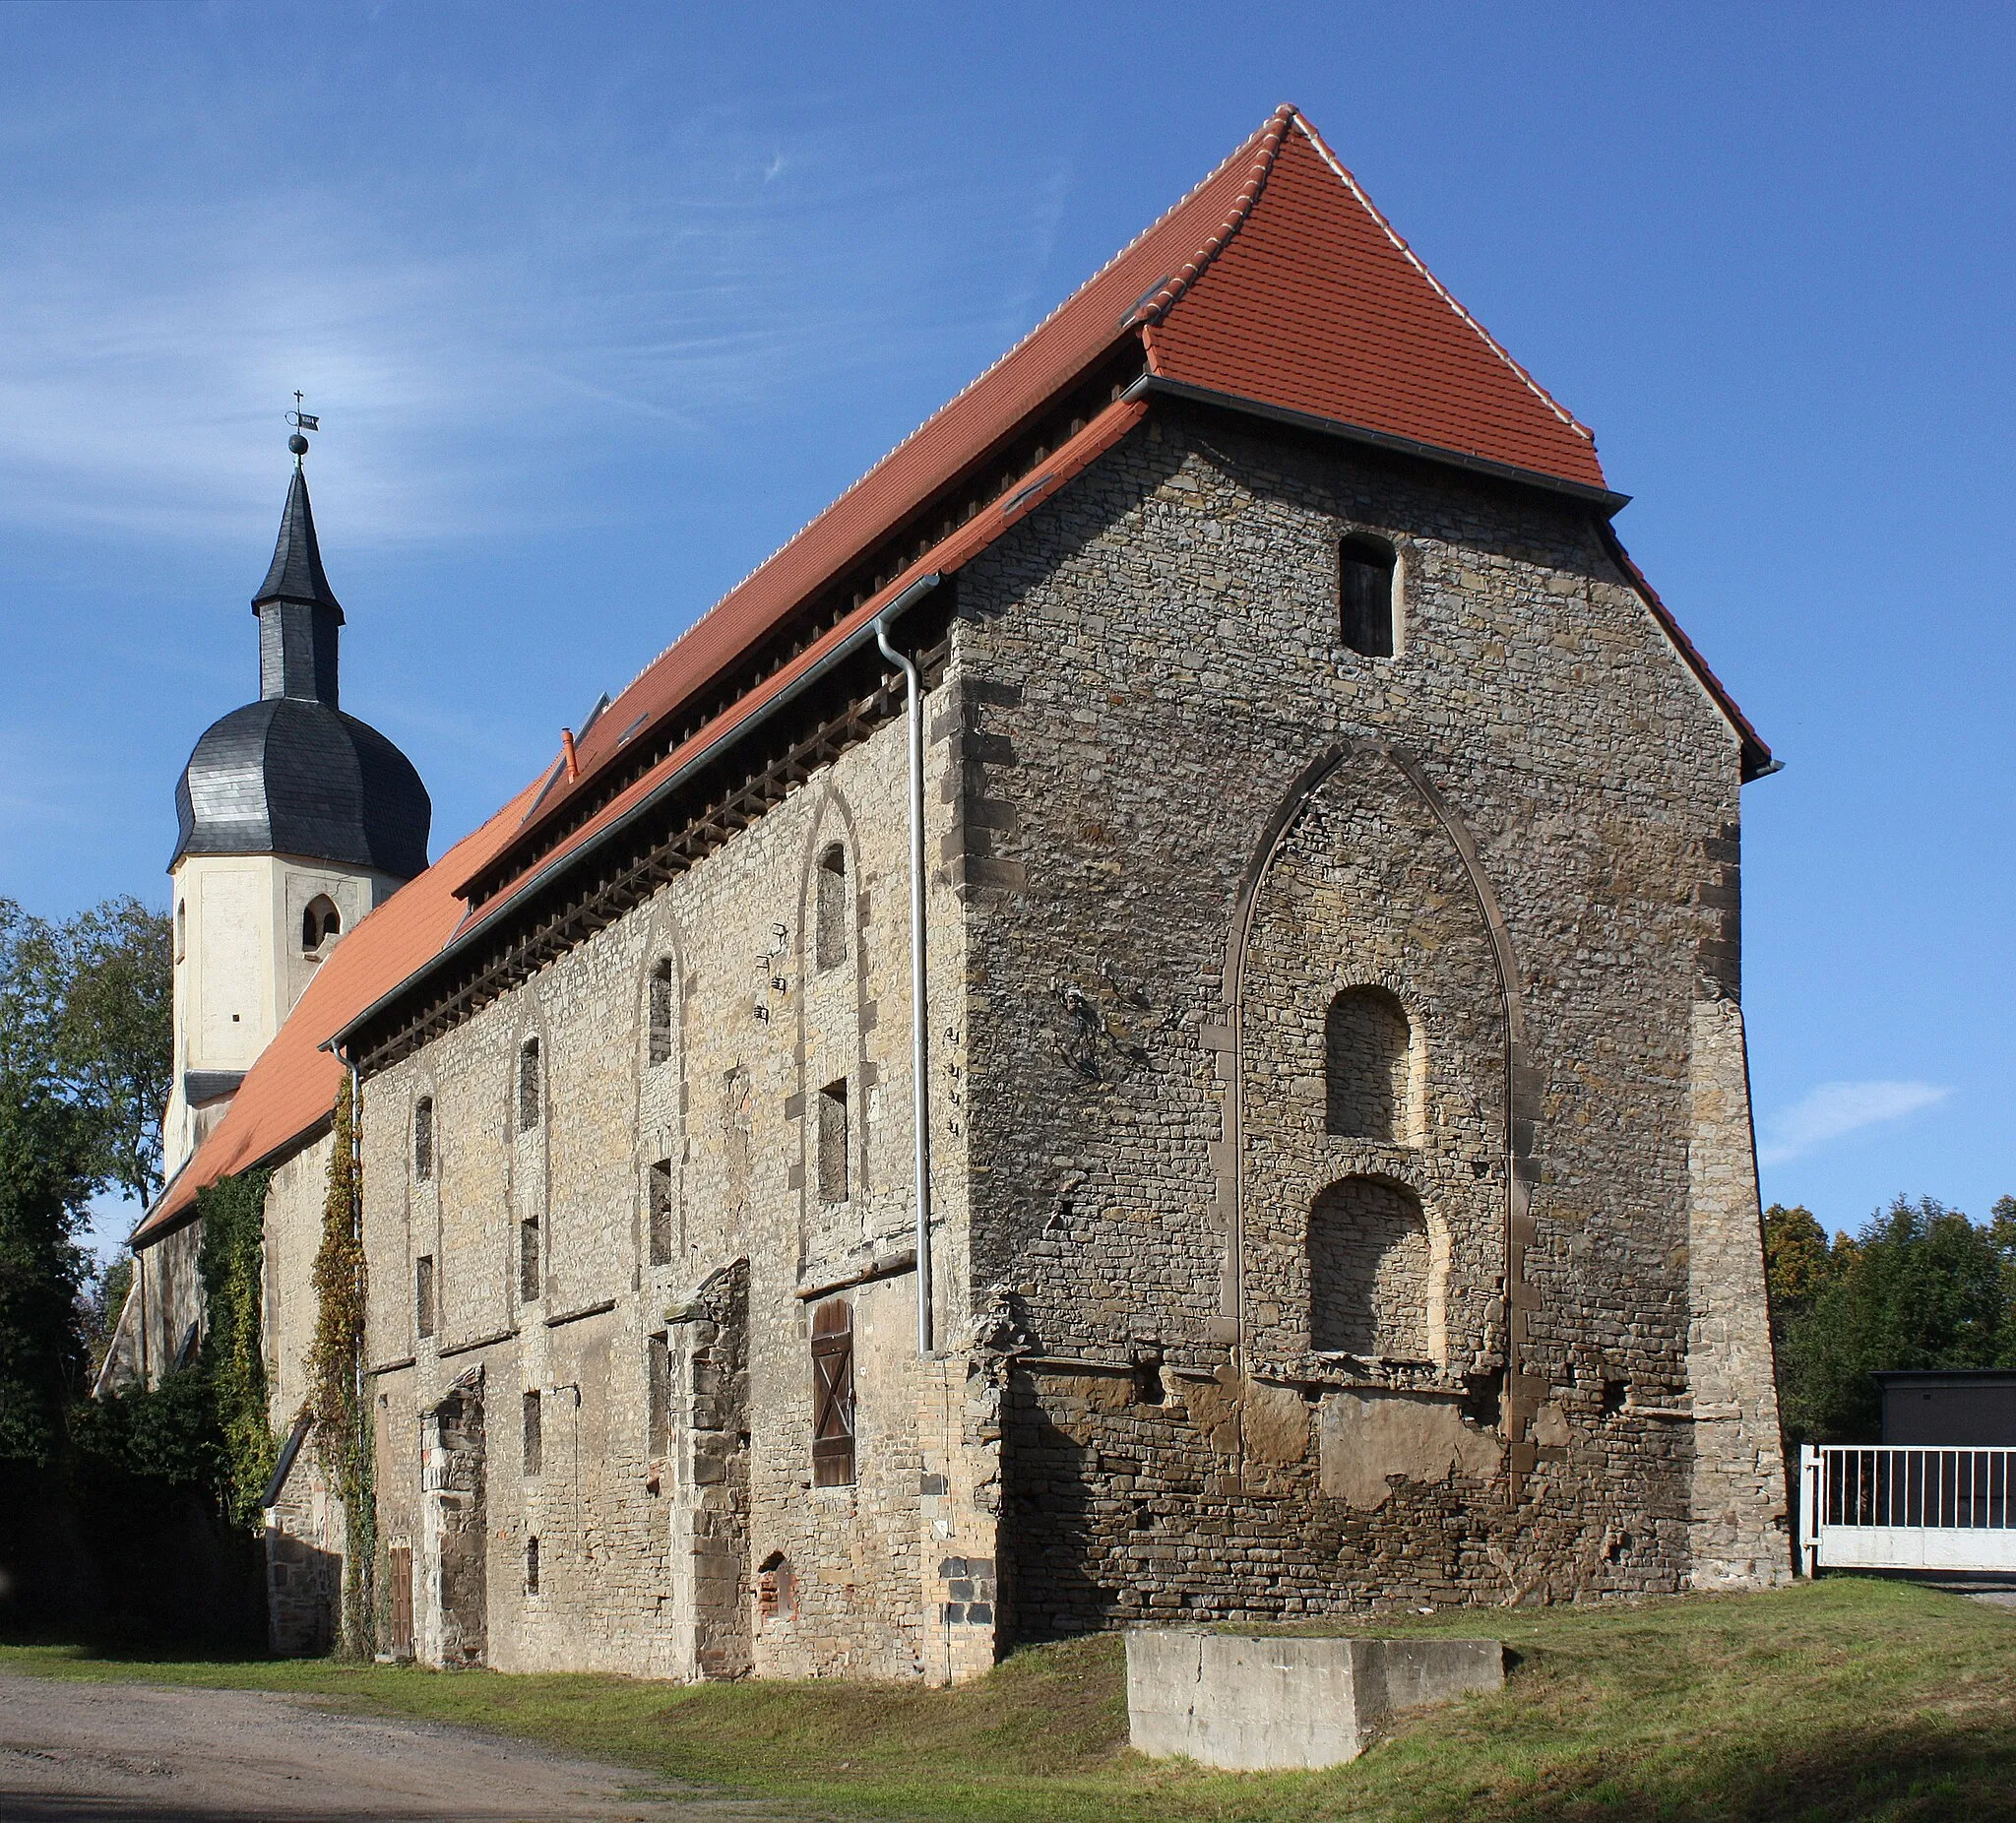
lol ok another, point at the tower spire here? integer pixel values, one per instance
(295, 573)
(298, 610)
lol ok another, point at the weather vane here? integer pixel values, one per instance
(300, 420)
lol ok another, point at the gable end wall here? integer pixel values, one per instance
(1150, 665)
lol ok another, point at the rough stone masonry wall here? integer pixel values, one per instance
(170, 1300)
(1152, 687)
(674, 1456)
(1739, 1452)
(306, 1533)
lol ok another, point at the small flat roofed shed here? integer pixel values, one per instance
(1961, 1408)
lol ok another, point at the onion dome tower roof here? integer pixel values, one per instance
(292, 774)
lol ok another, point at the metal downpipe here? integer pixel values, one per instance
(919, 1016)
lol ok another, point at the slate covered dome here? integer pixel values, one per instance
(292, 774)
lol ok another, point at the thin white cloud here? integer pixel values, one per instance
(1833, 1111)
(449, 334)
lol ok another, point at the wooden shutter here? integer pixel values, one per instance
(400, 1568)
(833, 1394)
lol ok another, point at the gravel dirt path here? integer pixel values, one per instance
(74, 1752)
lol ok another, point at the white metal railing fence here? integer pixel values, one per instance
(1907, 1507)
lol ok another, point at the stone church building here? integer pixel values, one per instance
(1143, 1024)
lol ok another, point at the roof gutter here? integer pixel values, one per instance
(862, 637)
(1602, 498)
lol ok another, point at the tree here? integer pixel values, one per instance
(2003, 1238)
(47, 1149)
(116, 1034)
(94, 996)
(44, 1182)
(1919, 1286)
(83, 1073)
(1797, 1265)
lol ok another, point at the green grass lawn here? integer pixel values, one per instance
(1847, 1699)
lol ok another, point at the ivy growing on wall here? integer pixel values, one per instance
(335, 1374)
(232, 1361)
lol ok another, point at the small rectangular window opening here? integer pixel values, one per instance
(776, 1589)
(423, 1139)
(527, 1260)
(424, 1295)
(661, 1013)
(534, 1444)
(661, 1213)
(834, 1178)
(532, 1566)
(1364, 594)
(830, 913)
(833, 1394)
(528, 1086)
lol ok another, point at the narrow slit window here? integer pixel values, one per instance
(658, 1393)
(534, 1440)
(833, 1394)
(830, 919)
(1364, 588)
(423, 1140)
(661, 1013)
(529, 1259)
(529, 1085)
(833, 1143)
(532, 1566)
(663, 1214)
(424, 1295)
(181, 929)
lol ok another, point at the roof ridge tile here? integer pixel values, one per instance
(1155, 304)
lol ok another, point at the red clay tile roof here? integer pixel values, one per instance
(1308, 300)
(287, 1094)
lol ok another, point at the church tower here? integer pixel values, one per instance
(294, 819)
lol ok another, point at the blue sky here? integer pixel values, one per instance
(601, 303)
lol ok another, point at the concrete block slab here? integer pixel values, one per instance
(1251, 1702)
